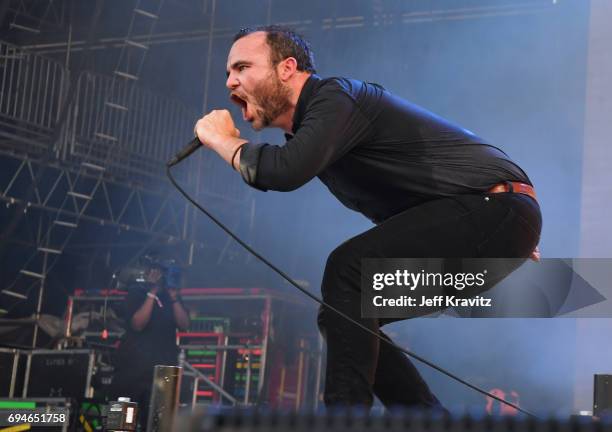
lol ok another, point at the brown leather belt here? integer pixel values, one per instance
(515, 187)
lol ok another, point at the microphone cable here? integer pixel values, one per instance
(340, 313)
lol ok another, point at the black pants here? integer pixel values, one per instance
(504, 225)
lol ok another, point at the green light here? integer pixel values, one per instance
(17, 405)
(201, 352)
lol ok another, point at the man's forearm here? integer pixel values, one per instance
(143, 315)
(227, 149)
(180, 315)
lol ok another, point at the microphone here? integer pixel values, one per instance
(184, 152)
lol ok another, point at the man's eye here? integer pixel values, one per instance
(241, 68)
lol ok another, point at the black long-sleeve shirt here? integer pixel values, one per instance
(377, 153)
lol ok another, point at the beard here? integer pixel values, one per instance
(272, 98)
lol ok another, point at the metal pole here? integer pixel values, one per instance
(247, 385)
(164, 398)
(16, 355)
(200, 160)
(214, 385)
(300, 377)
(41, 291)
(69, 310)
(223, 361)
(264, 349)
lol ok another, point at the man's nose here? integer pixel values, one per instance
(231, 82)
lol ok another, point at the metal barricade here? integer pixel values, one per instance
(32, 89)
(111, 122)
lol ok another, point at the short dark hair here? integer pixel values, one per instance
(284, 43)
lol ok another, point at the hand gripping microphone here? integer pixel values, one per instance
(184, 152)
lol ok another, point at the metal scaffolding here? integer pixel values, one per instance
(90, 149)
(28, 16)
(87, 147)
(380, 15)
(108, 203)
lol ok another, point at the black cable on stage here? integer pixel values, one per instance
(342, 314)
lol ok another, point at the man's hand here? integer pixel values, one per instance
(180, 314)
(153, 276)
(215, 128)
(173, 293)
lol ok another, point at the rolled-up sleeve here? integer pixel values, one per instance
(331, 126)
(249, 162)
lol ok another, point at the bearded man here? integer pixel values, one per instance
(432, 188)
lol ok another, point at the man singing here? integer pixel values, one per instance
(433, 189)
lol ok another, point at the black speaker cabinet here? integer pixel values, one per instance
(52, 373)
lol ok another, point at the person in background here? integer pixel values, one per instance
(154, 311)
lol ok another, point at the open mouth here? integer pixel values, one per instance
(243, 104)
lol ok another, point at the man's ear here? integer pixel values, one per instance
(287, 68)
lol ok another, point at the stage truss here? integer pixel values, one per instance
(88, 149)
